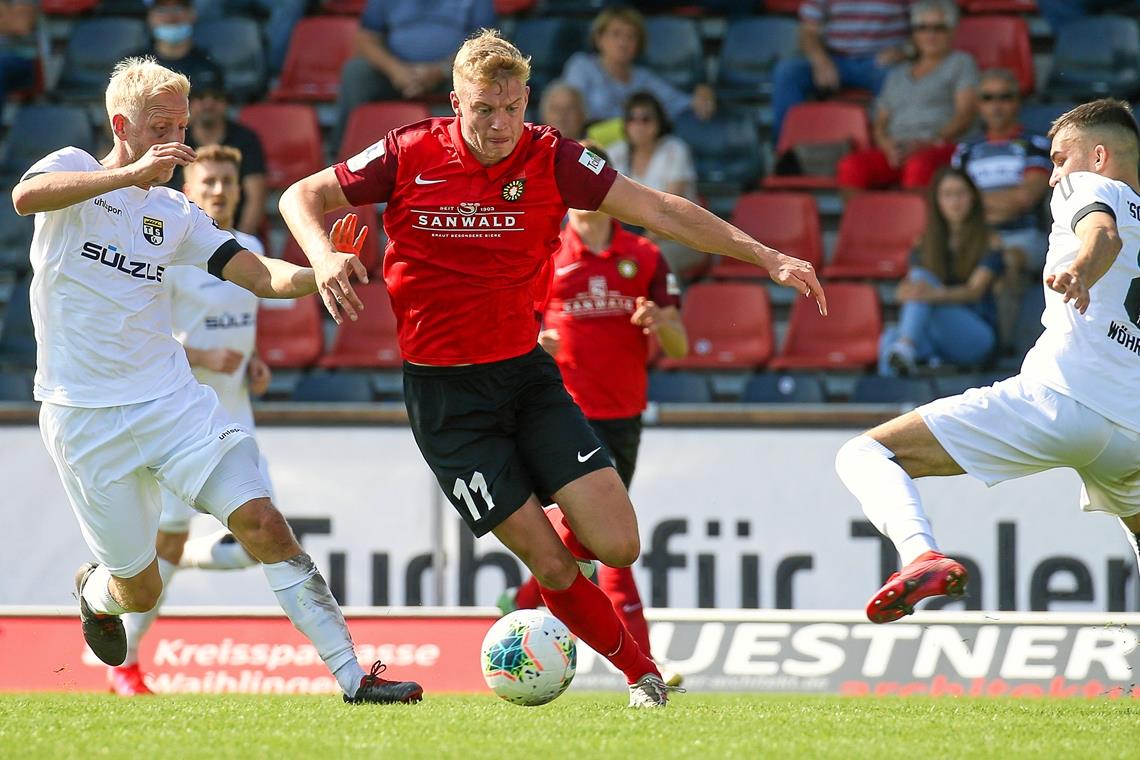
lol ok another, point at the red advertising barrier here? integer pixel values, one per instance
(257, 654)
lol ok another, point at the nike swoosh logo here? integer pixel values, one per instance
(421, 181)
(559, 271)
(584, 458)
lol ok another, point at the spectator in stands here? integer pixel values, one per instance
(404, 50)
(607, 78)
(209, 125)
(283, 16)
(849, 44)
(18, 47)
(947, 311)
(1011, 168)
(563, 108)
(924, 108)
(172, 32)
(650, 154)
(1059, 13)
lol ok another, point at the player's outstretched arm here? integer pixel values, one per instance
(686, 222)
(1100, 245)
(269, 278)
(52, 191)
(303, 207)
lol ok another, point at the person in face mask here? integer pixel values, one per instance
(171, 25)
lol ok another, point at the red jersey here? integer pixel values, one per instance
(467, 242)
(602, 354)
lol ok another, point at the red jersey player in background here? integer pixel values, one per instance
(475, 204)
(611, 291)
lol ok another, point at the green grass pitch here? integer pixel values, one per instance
(587, 725)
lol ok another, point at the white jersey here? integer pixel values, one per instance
(1093, 358)
(209, 313)
(100, 309)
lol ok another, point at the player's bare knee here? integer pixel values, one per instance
(556, 570)
(621, 552)
(263, 531)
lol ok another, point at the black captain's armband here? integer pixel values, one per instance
(222, 256)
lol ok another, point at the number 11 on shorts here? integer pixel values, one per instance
(478, 484)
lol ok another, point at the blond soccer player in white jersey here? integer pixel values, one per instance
(121, 413)
(1076, 402)
(216, 323)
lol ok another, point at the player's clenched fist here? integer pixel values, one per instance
(334, 270)
(157, 165)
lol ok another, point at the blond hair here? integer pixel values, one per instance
(223, 154)
(486, 58)
(136, 81)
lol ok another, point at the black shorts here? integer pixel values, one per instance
(622, 439)
(496, 433)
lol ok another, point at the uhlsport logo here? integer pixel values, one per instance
(513, 190)
(152, 230)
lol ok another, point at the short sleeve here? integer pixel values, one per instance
(202, 240)
(1037, 153)
(63, 160)
(583, 178)
(1079, 194)
(961, 156)
(966, 73)
(664, 290)
(370, 175)
(373, 18)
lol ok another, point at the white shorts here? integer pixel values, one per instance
(177, 514)
(113, 459)
(1018, 427)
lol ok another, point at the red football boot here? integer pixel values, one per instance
(127, 681)
(931, 574)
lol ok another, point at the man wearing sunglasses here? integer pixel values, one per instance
(1011, 167)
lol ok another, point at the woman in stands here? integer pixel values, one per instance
(650, 154)
(947, 312)
(924, 108)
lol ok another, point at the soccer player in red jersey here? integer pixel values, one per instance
(475, 203)
(611, 290)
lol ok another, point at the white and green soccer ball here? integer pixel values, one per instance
(528, 657)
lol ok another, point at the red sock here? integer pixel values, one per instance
(586, 611)
(620, 587)
(529, 595)
(576, 547)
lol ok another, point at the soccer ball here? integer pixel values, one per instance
(528, 657)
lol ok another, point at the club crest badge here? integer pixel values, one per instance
(152, 230)
(513, 190)
(627, 268)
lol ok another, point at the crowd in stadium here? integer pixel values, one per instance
(897, 145)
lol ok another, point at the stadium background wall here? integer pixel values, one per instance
(730, 518)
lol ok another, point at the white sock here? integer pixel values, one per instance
(97, 593)
(217, 551)
(306, 599)
(887, 494)
(138, 623)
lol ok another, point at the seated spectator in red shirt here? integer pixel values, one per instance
(924, 108)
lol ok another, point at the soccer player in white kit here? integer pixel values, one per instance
(1076, 402)
(121, 412)
(216, 323)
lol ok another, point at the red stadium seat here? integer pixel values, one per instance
(290, 137)
(511, 7)
(998, 6)
(318, 49)
(788, 222)
(829, 122)
(877, 233)
(289, 331)
(783, 6)
(848, 339)
(370, 256)
(729, 326)
(67, 7)
(371, 121)
(371, 340)
(998, 42)
(344, 7)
